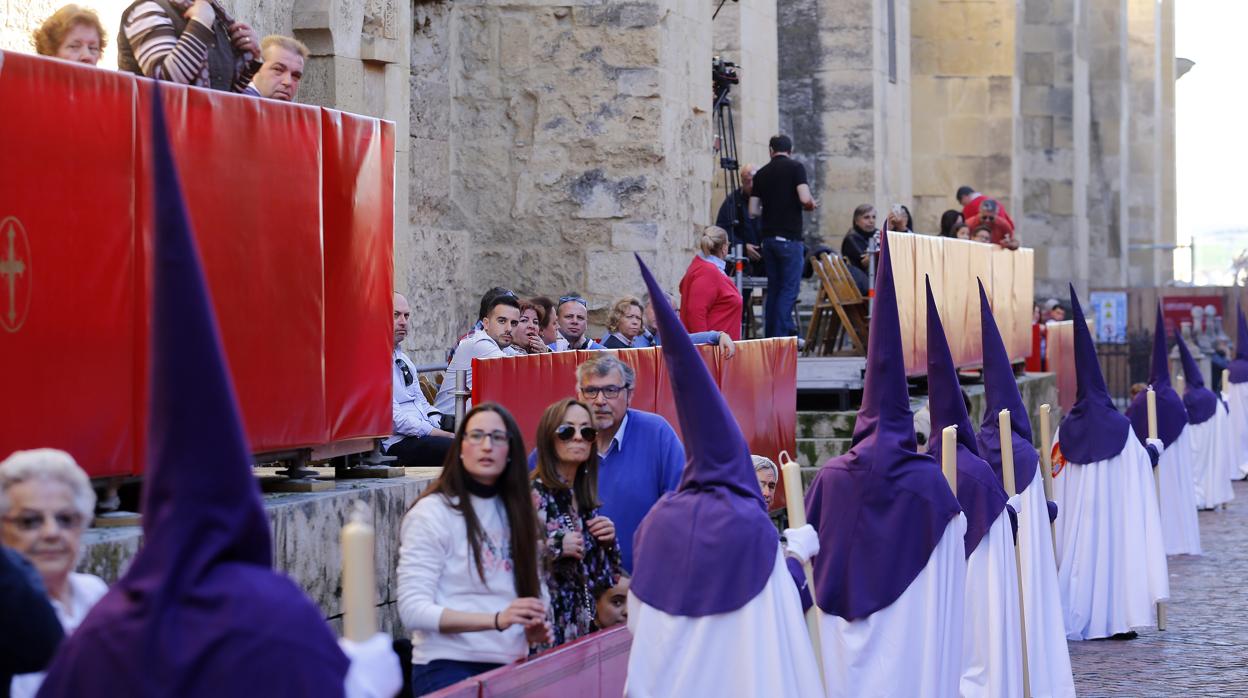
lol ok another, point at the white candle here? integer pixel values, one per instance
(1152, 414)
(1046, 450)
(949, 455)
(1226, 380)
(1007, 453)
(359, 613)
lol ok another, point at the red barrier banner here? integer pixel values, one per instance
(1059, 350)
(290, 205)
(759, 384)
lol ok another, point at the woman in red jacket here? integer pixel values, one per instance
(709, 299)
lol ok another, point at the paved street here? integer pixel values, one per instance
(1204, 651)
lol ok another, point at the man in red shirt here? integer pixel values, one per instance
(1002, 228)
(970, 201)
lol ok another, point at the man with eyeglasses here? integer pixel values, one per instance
(501, 315)
(572, 316)
(418, 440)
(639, 455)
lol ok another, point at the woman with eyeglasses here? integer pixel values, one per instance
(468, 585)
(46, 502)
(582, 556)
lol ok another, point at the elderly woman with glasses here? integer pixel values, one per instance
(582, 556)
(46, 502)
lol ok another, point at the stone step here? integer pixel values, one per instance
(812, 453)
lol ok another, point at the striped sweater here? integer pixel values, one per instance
(164, 55)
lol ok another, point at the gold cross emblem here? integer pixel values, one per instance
(14, 267)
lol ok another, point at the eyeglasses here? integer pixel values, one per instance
(33, 521)
(407, 372)
(476, 437)
(565, 432)
(608, 391)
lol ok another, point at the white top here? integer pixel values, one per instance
(478, 345)
(413, 415)
(84, 591)
(436, 571)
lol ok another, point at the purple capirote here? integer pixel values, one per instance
(1001, 392)
(1239, 365)
(1200, 401)
(1094, 430)
(1171, 414)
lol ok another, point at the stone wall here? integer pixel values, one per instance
(1144, 177)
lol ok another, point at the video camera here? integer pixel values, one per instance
(724, 74)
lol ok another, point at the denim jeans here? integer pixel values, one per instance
(440, 673)
(783, 259)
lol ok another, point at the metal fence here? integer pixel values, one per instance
(1125, 364)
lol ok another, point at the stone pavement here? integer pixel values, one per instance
(1204, 651)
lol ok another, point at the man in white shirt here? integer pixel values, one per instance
(418, 440)
(501, 317)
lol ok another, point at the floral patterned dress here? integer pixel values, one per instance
(573, 584)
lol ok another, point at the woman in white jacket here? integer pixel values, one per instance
(469, 590)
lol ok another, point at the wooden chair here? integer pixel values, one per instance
(428, 388)
(840, 311)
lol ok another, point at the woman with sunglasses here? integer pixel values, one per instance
(468, 585)
(582, 556)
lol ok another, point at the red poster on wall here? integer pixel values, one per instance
(1178, 309)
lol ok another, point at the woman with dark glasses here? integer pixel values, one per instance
(582, 556)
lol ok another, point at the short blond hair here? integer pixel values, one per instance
(49, 36)
(47, 464)
(617, 311)
(287, 42)
(713, 239)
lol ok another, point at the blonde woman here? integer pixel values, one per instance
(624, 323)
(709, 299)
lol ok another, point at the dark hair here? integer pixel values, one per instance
(781, 144)
(963, 191)
(585, 487)
(909, 219)
(501, 300)
(538, 310)
(513, 491)
(859, 211)
(487, 301)
(547, 312)
(949, 223)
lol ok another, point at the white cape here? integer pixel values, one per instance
(911, 648)
(761, 649)
(992, 663)
(1237, 399)
(1111, 558)
(1179, 526)
(1212, 459)
(1048, 661)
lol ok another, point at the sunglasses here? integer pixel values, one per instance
(567, 431)
(408, 378)
(33, 521)
(568, 299)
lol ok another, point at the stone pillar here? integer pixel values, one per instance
(1164, 264)
(1144, 144)
(845, 100)
(962, 70)
(1110, 123)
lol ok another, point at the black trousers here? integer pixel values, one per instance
(421, 452)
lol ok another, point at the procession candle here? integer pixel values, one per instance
(1180, 384)
(1007, 474)
(1007, 453)
(1226, 380)
(1152, 434)
(359, 617)
(1152, 414)
(795, 501)
(1046, 450)
(949, 455)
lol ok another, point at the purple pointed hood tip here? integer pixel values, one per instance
(1200, 401)
(1171, 414)
(979, 491)
(1239, 365)
(1001, 393)
(1094, 430)
(709, 547)
(203, 579)
(881, 508)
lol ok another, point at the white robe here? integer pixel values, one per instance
(1212, 459)
(911, 648)
(992, 663)
(1048, 661)
(1111, 557)
(1237, 400)
(1179, 526)
(761, 649)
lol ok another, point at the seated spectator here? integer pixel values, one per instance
(46, 502)
(623, 323)
(612, 604)
(709, 299)
(32, 632)
(970, 201)
(502, 316)
(734, 216)
(768, 476)
(1053, 311)
(581, 556)
(639, 456)
(573, 318)
(1137, 388)
(282, 70)
(549, 331)
(857, 242)
(468, 586)
(899, 220)
(950, 221)
(72, 33)
(1001, 231)
(418, 440)
(649, 337)
(186, 42)
(527, 338)
(982, 234)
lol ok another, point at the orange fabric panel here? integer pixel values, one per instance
(901, 247)
(1060, 355)
(929, 255)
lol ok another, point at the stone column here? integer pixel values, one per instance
(1164, 264)
(1144, 144)
(1110, 123)
(962, 70)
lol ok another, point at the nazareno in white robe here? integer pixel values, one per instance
(760, 649)
(1048, 661)
(1111, 557)
(1237, 401)
(1179, 527)
(911, 648)
(992, 663)
(1212, 459)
